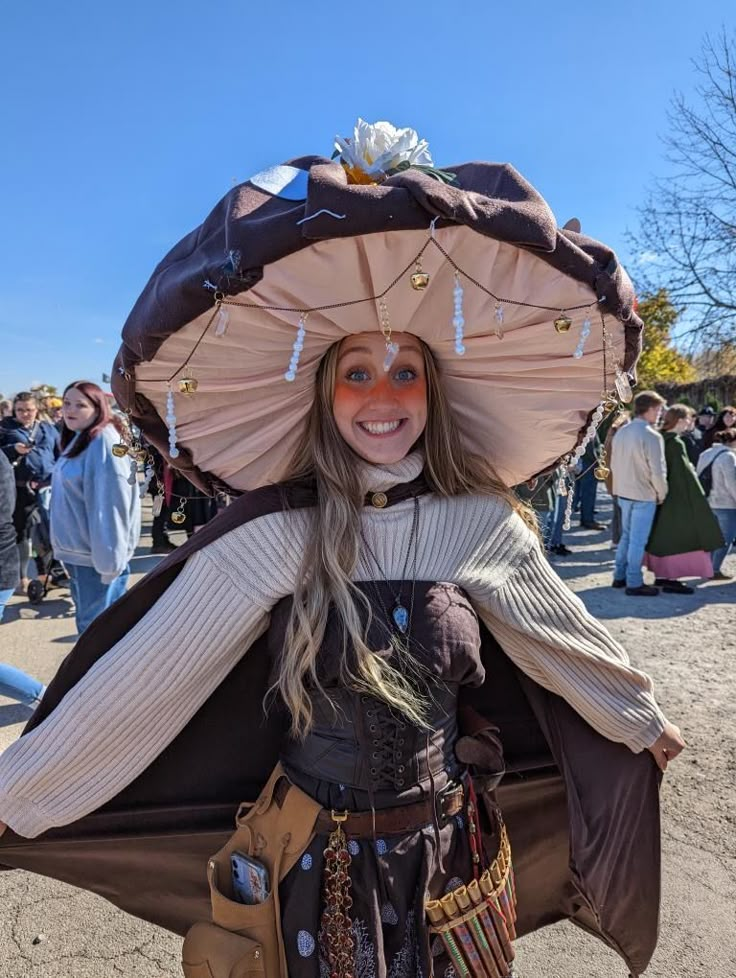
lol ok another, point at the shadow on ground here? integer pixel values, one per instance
(14, 713)
(593, 557)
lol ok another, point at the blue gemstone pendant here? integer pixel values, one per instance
(401, 617)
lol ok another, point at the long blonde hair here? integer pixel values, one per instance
(332, 547)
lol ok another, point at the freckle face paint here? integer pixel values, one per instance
(363, 411)
(350, 400)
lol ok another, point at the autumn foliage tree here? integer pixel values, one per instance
(660, 361)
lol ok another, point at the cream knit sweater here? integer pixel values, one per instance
(142, 692)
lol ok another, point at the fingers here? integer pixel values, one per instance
(674, 749)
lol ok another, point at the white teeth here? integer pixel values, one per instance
(379, 427)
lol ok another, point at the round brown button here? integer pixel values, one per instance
(379, 499)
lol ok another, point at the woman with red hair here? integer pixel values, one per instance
(95, 510)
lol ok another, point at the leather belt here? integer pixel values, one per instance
(399, 820)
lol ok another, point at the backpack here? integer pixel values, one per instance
(706, 476)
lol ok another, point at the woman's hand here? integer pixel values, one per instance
(22, 448)
(667, 746)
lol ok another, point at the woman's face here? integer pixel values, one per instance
(729, 419)
(25, 412)
(380, 414)
(77, 410)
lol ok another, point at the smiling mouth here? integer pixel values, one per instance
(378, 428)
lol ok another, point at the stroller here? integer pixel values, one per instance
(51, 570)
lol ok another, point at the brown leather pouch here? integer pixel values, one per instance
(209, 950)
(242, 939)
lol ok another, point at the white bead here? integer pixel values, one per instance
(458, 320)
(296, 350)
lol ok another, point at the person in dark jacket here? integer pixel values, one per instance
(13, 683)
(692, 438)
(9, 573)
(32, 447)
(695, 440)
(685, 531)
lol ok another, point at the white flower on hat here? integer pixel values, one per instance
(377, 150)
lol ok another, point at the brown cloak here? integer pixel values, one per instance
(582, 811)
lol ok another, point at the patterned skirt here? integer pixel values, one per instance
(391, 879)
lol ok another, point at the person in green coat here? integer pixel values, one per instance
(685, 529)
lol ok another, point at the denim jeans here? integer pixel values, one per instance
(727, 522)
(5, 596)
(555, 519)
(18, 686)
(90, 595)
(637, 517)
(586, 490)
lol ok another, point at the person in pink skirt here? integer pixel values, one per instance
(685, 530)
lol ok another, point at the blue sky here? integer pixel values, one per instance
(124, 123)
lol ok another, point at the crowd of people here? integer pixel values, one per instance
(83, 533)
(671, 471)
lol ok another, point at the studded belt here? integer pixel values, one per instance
(399, 820)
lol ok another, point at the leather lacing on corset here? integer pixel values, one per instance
(387, 736)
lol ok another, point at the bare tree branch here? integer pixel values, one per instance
(687, 227)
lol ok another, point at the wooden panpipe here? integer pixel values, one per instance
(477, 922)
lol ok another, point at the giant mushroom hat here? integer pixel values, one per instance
(533, 326)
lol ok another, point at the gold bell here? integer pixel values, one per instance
(177, 517)
(120, 449)
(601, 472)
(188, 385)
(139, 454)
(419, 278)
(563, 323)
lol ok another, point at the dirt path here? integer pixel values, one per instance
(688, 645)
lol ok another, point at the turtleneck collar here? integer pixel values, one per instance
(381, 478)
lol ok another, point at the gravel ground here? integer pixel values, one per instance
(49, 930)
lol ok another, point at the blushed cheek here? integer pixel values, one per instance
(414, 399)
(346, 403)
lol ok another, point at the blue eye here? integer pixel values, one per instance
(358, 375)
(406, 373)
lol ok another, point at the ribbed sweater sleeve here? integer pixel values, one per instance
(134, 700)
(547, 632)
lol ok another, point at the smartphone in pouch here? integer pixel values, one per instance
(250, 879)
